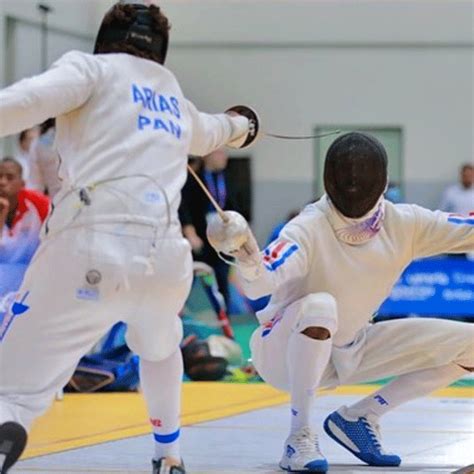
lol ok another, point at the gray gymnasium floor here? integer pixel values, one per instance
(433, 435)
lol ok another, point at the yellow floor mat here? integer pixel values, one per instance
(87, 419)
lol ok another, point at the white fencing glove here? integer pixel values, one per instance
(245, 132)
(234, 238)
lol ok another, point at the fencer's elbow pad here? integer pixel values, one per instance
(245, 126)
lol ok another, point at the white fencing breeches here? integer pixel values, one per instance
(380, 350)
(59, 316)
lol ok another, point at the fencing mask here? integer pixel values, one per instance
(142, 33)
(355, 173)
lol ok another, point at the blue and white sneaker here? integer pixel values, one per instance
(361, 436)
(302, 454)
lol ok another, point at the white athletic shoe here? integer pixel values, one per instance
(302, 454)
(165, 466)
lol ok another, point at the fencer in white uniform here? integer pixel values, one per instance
(328, 273)
(112, 248)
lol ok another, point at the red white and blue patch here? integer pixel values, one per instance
(278, 252)
(462, 220)
(269, 325)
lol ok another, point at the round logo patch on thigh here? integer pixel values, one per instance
(93, 277)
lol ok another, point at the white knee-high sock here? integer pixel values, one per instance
(405, 388)
(307, 359)
(161, 385)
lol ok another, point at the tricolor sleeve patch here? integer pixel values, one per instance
(460, 219)
(278, 252)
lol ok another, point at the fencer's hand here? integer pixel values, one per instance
(189, 232)
(228, 236)
(248, 254)
(233, 237)
(196, 243)
(245, 132)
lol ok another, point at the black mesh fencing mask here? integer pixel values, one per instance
(140, 33)
(355, 173)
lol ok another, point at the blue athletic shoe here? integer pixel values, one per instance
(302, 454)
(361, 436)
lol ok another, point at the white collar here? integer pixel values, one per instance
(355, 231)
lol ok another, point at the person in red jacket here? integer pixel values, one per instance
(22, 213)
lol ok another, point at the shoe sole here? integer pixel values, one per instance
(320, 470)
(13, 439)
(328, 431)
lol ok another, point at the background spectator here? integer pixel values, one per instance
(394, 193)
(275, 233)
(22, 212)
(459, 198)
(45, 161)
(196, 208)
(195, 162)
(23, 153)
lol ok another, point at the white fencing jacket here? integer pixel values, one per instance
(308, 258)
(117, 116)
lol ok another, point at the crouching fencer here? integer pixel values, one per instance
(328, 272)
(112, 247)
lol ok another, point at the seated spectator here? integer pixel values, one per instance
(22, 213)
(23, 154)
(459, 198)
